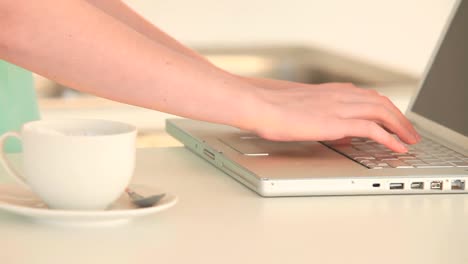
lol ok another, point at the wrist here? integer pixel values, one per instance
(253, 110)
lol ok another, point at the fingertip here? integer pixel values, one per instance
(398, 146)
(401, 148)
(418, 136)
(415, 140)
(410, 138)
(409, 141)
(404, 149)
(415, 133)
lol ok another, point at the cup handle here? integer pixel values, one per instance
(4, 161)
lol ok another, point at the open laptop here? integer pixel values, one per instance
(439, 164)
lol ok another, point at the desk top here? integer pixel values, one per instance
(218, 220)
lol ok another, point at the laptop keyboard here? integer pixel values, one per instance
(425, 154)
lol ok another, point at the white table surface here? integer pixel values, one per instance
(218, 220)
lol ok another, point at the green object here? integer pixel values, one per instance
(18, 103)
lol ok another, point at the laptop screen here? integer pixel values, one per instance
(443, 97)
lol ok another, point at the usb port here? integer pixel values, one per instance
(397, 186)
(436, 185)
(417, 185)
(458, 185)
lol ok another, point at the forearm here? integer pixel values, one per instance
(127, 15)
(122, 12)
(92, 52)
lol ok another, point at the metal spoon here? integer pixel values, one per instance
(144, 201)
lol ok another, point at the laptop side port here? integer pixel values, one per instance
(209, 154)
(397, 186)
(458, 184)
(417, 185)
(436, 185)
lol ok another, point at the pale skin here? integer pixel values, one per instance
(103, 47)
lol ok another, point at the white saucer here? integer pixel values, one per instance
(19, 200)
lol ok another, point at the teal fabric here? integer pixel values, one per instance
(18, 103)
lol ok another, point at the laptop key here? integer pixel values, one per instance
(383, 156)
(398, 164)
(430, 166)
(374, 166)
(430, 160)
(440, 163)
(426, 154)
(415, 162)
(405, 157)
(364, 158)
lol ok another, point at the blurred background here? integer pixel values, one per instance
(375, 44)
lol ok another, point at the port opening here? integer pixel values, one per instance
(458, 184)
(417, 185)
(437, 185)
(376, 185)
(209, 154)
(397, 186)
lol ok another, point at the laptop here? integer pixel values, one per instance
(438, 164)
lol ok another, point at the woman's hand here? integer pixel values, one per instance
(329, 112)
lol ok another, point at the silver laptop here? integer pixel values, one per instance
(438, 164)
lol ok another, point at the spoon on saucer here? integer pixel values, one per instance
(143, 201)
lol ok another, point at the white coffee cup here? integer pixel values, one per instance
(75, 164)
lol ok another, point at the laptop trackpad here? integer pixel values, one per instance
(252, 145)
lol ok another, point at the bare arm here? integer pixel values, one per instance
(119, 10)
(122, 12)
(76, 44)
(79, 45)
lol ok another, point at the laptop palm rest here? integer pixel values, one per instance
(251, 145)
